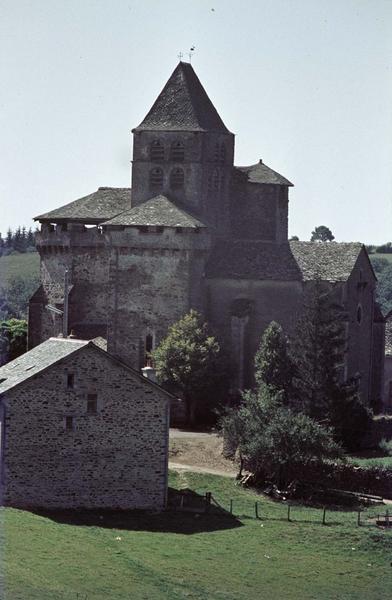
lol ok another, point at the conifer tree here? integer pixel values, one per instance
(273, 365)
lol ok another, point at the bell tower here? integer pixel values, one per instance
(183, 150)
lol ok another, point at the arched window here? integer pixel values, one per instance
(177, 152)
(156, 150)
(177, 179)
(359, 314)
(156, 179)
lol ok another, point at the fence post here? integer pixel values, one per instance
(231, 506)
(257, 509)
(359, 517)
(182, 501)
(288, 512)
(324, 511)
(208, 501)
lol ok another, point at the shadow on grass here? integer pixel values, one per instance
(190, 519)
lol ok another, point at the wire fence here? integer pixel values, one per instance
(379, 515)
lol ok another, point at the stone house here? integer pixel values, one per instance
(80, 429)
(196, 231)
(388, 363)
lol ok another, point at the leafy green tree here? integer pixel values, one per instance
(384, 288)
(13, 339)
(273, 365)
(322, 234)
(17, 295)
(379, 264)
(272, 440)
(189, 362)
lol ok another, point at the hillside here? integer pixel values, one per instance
(178, 556)
(18, 265)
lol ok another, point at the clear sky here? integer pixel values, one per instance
(306, 85)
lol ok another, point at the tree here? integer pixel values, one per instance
(384, 288)
(294, 238)
(13, 339)
(322, 234)
(273, 365)
(319, 353)
(273, 440)
(189, 361)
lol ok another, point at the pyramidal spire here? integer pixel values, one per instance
(183, 104)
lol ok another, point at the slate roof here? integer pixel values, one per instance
(49, 353)
(105, 203)
(36, 360)
(260, 173)
(329, 261)
(293, 261)
(158, 211)
(183, 104)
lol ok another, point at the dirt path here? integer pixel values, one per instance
(181, 467)
(200, 452)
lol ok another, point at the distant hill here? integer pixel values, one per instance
(19, 277)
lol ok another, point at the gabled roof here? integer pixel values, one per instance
(105, 203)
(293, 261)
(251, 259)
(48, 354)
(36, 360)
(183, 104)
(159, 211)
(260, 173)
(329, 261)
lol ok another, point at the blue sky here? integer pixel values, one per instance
(305, 85)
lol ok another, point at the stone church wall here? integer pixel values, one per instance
(359, 300)
(240, 310)
(155, 278)
(116, 458)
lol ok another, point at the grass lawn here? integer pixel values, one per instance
(376, 461)
(18, 265)
(186, 556)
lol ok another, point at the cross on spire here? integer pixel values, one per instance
(180, 55)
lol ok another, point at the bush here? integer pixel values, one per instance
(386, 446)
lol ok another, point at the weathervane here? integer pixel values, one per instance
(190, 54)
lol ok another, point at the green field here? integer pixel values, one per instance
(176, 556)
(19, 265)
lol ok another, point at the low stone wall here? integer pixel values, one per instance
(348, 477)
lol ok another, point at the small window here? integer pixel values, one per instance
(70, 381)
(177, 152)
(359, 314)
(64, 227)
(159, 229)
(157, 151)
(143, 229)
(156, 179)
(92, 403)
(69, 423)
(179, 229)
(177, 179)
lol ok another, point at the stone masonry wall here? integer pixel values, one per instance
(155, 278)
(116, 458)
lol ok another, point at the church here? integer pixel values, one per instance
(195, 231)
